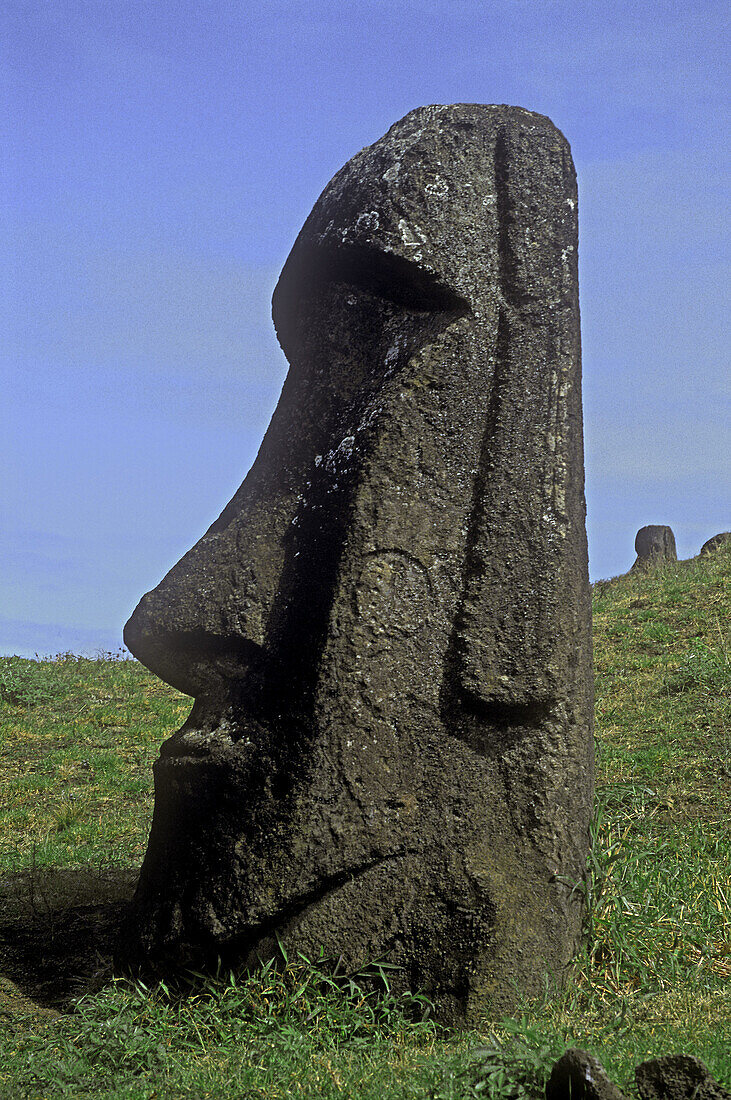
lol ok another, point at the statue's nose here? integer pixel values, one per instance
(206, 620)
(190, 658)
(253, 591)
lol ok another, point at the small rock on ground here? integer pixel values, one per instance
(677, 1077)
(577, 1075)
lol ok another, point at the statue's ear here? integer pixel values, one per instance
(525, 587)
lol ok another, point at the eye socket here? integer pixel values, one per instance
(309, 271)
(389, 276)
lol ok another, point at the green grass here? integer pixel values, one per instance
(78, 741)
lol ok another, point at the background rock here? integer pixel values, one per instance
(715, 543)
(654, 544)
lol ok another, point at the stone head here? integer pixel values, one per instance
(386, 630)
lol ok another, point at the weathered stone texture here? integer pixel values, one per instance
(723, 538)
(654, 544)
(387, 631)
(677, 1077)
(578, 1075)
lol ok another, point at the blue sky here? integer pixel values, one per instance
(160, 158)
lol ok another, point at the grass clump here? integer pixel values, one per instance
(654, 976)
(26, 683)
(296, 1029)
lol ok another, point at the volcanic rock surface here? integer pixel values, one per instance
(387, 630)
(654, 544)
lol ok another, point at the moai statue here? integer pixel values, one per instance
(654, 545)
(713, 545)
(387, 631)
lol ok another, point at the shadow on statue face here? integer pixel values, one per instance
(240, 623)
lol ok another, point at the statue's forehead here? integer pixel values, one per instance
(436, 203)
(424, 195)
(407, 196)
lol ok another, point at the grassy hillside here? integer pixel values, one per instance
(77, 744)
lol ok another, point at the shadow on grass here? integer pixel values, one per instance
(57, 934)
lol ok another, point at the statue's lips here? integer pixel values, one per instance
(194, 747)
(195, 744)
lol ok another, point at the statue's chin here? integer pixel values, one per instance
(330, 916)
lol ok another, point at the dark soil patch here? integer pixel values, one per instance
(57, 935)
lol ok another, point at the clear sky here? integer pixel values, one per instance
(160, 157)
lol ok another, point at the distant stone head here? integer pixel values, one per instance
(654, 544)
(387, 630)
(722, 539)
